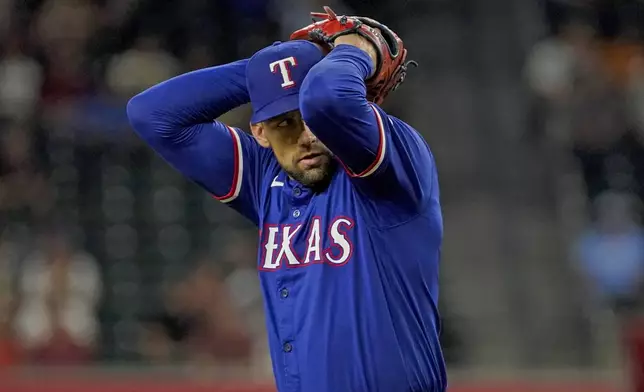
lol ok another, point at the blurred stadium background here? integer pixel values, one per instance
(118, 275)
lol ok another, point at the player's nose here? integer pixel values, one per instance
(307, 137)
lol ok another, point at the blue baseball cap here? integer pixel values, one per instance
(274, 76)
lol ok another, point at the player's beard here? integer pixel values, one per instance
(316, 178)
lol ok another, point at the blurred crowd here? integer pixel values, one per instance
(587, 84)
(586, 78)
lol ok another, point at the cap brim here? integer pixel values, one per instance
(283, 105)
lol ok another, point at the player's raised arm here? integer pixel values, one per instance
(177, 119)
(385, 155)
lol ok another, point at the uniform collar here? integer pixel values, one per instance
(294, 189)
(297, 192)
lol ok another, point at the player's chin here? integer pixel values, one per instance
(314, 175)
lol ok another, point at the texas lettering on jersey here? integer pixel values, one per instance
(330, 245)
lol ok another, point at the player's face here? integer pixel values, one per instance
(297, 150)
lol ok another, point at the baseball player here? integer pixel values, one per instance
(345, 197)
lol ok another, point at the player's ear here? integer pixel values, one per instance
(259, 133)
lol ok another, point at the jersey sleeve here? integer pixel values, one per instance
(176, 118)
(384, 156)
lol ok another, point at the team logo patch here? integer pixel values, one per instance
(284, 66)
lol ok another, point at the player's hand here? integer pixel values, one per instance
(385, 48)
(359, 42)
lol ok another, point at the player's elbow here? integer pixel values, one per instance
(140, 113)
(137, 112)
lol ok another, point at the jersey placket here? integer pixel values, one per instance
(287, 293)
(288, 289)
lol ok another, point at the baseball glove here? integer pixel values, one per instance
(391, 69)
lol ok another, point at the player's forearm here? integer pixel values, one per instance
(193, 98)
(334, 105)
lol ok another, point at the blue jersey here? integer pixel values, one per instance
(349, 274)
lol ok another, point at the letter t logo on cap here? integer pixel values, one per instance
(284, 70)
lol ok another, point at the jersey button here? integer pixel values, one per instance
(284, 292)
(288, 347)
(296, 214)
(297, 191)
